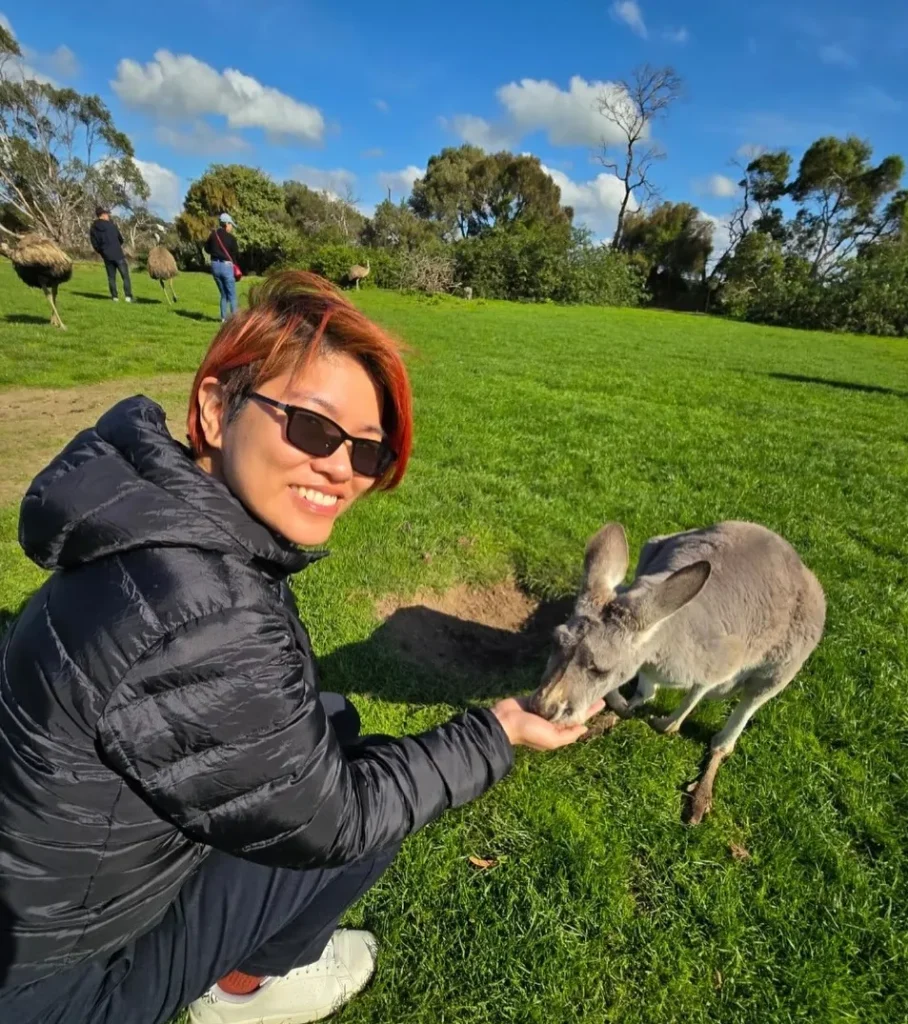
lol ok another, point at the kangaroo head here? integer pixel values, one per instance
(600, 646)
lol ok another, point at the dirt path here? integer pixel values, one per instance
(35, 423)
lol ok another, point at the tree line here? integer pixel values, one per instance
(822, 244)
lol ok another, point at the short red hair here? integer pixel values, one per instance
(294, 316)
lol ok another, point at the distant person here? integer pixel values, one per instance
(225, 254)
(107, 242)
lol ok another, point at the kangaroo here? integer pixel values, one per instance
(729, 610)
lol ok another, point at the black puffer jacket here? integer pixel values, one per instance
(158, 697)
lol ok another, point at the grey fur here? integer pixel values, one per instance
(729, 610)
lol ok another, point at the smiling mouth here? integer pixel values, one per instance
(324, 502)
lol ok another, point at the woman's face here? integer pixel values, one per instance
(298, 495)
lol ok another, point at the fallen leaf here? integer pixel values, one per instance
(427, 558)
(482, 863)
(739, 852)
(718, 979)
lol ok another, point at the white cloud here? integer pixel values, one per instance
(837, 56)
(337, 183)
(717, 185)
(39, 67)
(568, 117)
(381, 105)
(479, 132)
(400, 181)
(166, 189)
(179, 86)
(372, 154)
(595, 202)
(629, 12)
(200, 138)
(677, 35)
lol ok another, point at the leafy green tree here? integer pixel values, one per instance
(254, 201)
(444, 194)
(673, 243)
(843, 201)
(467, 192)
(396, 226)
(320, 216)
(60, 155)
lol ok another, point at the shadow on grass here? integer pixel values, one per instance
(202, 318)
(844, 385)
(423, 656)
(27, 318)
(137, 300)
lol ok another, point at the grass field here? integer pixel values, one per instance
(535, 425)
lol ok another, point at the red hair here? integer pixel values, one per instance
(293, 317)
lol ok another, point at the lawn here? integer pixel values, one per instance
(534, 426)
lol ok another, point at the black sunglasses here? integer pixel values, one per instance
(316, 435)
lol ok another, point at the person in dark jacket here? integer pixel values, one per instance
(107, 242)
(184, 817)
(224, 252)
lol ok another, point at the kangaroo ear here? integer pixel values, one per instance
(673, 593)
(604, 567)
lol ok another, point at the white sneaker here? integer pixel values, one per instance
(306, 994)
(128, 299)
(115, 298)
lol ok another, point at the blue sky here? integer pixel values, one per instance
(358, 95)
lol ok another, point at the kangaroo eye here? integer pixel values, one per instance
(563, 637)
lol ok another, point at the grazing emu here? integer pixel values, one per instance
(358, 273)
(41, 263)
(163, 267)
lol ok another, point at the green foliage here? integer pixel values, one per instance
(842, 201)
(320, 217)
(540, 265)
(397, 227)
(257, 205)
(467, 192)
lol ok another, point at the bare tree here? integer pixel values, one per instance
(631, 107)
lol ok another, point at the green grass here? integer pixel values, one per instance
(535, 425)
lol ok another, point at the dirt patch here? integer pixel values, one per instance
(35, 423)
(468, 629)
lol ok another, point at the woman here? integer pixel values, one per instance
(224, 252)
(183, 818)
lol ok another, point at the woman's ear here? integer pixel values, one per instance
(212, 412)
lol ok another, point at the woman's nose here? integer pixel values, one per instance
(336, 466)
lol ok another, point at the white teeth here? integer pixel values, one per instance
(317, 497)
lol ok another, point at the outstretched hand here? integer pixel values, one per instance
(525, 729)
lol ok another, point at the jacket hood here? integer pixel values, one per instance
(127, 484)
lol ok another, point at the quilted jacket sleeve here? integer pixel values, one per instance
(221, 731)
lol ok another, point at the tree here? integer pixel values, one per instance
(321, 216)
(60, 156)
(254, 201)
(841, 196)
(396, 226)
(508, 189)
(445, 194)
(467, 192)
(631, 108)
(673, 242)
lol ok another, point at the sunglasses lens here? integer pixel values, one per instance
(370, 458)
(317, 435)
(312, 434)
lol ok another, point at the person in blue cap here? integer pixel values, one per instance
(225, 256)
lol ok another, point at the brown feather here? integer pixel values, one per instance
(161, 264)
